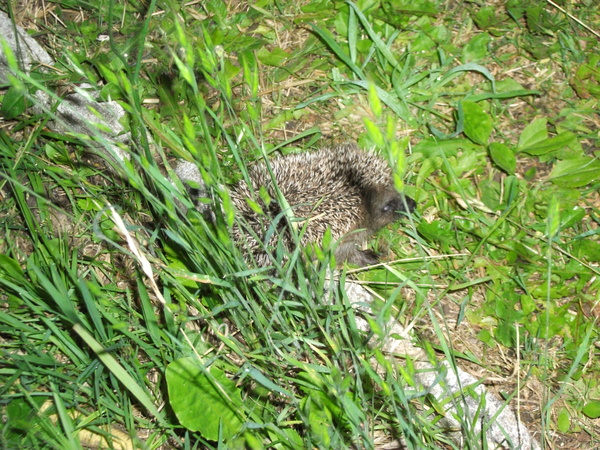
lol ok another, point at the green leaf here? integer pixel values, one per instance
(571, 216)
(505, 333)
(432, 147)
(550, 144)
(500, 95)
(503, 156)
(534, 18)
(592, 409)
(11, 268)
(276, 57)
(534, 132)
(437, 231)
(469, 67)
(319, 419)
(250, 69)
(528, 305)
(564, 420)
(587, 249)
(485, 17)
(486, 337)
(586, 80)
(576, 172)
(204, 400)
(411, 7)
(14, 103)
(477, 124)
(391, 100)
(477, 48)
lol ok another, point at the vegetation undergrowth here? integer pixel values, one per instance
(126, 315)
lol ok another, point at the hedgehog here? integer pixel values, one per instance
(342, 189)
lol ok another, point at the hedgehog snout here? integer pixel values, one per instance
(408, 204)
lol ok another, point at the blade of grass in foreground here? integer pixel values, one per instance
(118, 371)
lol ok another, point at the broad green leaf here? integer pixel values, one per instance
(505, 333)
(319, 419)
(528, 305)
(571, 216)
(534, 132)
(437, 231)
(576, 172)
(550, 144)
(586, 80)
(477, 123)
(485, 17)
(486, 337)
(251, 73)
(204, 400)
(411, 7)
(275, 57)
(477, 48)
(432, 147)
(503, 156)
(564, 420)
(587, 249)
(592, 409)
(14, 102)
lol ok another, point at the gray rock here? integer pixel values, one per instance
(79, 113)
(190, 176)
(28, 52)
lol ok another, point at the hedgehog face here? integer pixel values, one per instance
(386, 205)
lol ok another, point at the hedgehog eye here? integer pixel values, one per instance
(388, 207)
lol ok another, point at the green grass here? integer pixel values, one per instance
(121, 312)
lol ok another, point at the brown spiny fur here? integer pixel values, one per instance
(343, 189)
